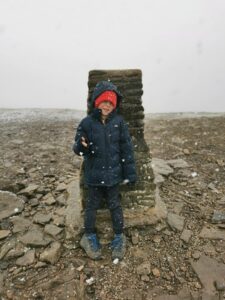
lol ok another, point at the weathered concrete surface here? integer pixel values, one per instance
(73, 217)
(140, 216)
(129, 82)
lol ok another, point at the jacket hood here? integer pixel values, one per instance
(103, 86)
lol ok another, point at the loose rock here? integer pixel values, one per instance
(144, 269)
(34, 238)
(212, 233)
(4, 234)
(27, 259)
(51, 254)
(52, 230)
(41, 218)
(20, 224)
(10, 205)
(186, 235)
(218, 217)
(176, 222)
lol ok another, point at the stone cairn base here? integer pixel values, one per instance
(138, 200)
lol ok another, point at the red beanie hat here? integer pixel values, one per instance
(106, 96)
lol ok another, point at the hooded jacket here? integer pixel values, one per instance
(108, 159)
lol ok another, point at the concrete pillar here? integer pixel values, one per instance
(141, 202)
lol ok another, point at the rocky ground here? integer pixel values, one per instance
(182, 257)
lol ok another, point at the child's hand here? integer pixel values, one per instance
(84, 142)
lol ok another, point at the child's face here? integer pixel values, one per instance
(106, 108)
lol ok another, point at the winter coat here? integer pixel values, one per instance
(108, 159)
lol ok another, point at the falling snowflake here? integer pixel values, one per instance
(115, 261)
(81, 153)
(89, 281)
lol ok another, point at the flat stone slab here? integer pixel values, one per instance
(4, 234)
(14, 253)
(208, 271)
(29, 190)
(52, 253)
(27, 259)
(167, 297)
(49, 199)
(6, 247)
(73, 217)
(40, 218)
(52, 230)
(186, 235)
(212, 233)
(160, 166)
(158, 178)
(177, 163)
(218, 217)
(61, 187)
(175, 221)
(10, 204)
(222, 201)
(34, 238)
(20, 224)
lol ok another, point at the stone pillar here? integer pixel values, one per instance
(141, 203)
(129, 82)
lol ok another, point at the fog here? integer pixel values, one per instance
(48, 47)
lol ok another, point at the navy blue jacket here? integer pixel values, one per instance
(108, 159)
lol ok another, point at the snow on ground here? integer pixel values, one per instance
(36, 114)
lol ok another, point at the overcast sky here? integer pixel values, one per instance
(47, 48)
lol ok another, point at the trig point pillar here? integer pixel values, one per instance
(138, 200)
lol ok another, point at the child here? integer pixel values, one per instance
(103, 140)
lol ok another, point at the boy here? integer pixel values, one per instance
(103, 140)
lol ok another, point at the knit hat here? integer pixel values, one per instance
(106, 96)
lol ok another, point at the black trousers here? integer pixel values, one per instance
(95, 197)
